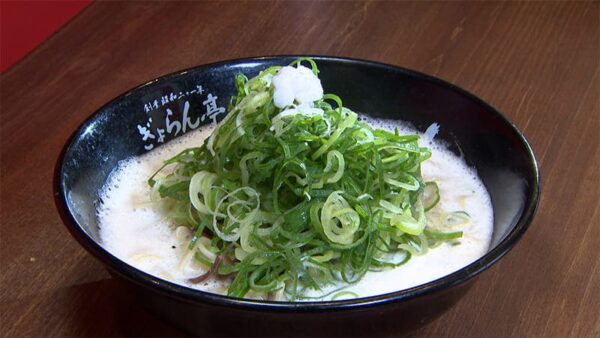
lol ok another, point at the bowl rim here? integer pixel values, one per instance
(190, 295)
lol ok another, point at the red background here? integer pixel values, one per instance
(25, 24)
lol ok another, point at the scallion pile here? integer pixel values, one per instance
(284, 201)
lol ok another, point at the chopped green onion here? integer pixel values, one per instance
(430, 195)
(301, 199)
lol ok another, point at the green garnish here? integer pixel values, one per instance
(300, 200)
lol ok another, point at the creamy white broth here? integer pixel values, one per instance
(136, 232)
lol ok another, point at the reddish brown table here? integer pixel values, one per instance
(536, 62)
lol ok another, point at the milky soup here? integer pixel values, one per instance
(137, 232)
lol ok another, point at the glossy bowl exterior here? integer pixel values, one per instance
(171, 105)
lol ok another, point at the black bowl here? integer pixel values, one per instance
(487, 140)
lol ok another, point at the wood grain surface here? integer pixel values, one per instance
(537, 62)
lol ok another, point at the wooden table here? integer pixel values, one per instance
(536, 62)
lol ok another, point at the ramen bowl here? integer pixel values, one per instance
(185, 100)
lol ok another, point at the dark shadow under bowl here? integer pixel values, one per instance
(181, 101)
